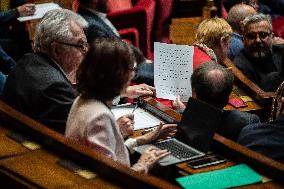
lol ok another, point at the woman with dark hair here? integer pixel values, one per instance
(104, 74)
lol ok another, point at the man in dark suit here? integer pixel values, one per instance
(267, 138)
(213, 84)
(14, 38)
(41, 83)
(260, 61)
(8, 37)
(94, 12)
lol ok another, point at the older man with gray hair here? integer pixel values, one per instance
(235, 18)
(260, 60)
(41, 83)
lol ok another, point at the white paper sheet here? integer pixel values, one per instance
(41, 9)
(142, 118)
(173, 66)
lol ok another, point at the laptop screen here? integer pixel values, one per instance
(198, 124)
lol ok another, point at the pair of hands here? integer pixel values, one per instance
(26, 9)
(126, 126)
(152, 155)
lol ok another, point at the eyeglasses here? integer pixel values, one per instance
(261, 35)
(134, 68)
(83, 46)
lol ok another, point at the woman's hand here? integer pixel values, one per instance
(135, 91)
(162, 131)
(26, 9)
(126, 124)
(149, 158)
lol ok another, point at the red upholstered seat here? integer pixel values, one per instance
(134, 21)
(278, 26)
(118, 5)
(162, 21)
(140, 17)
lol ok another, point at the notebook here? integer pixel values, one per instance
(196, 128)
(234, 176)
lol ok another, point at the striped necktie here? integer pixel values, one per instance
(5, 5)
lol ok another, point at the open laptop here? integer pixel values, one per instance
(196, 128)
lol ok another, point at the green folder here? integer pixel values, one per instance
(230, 177)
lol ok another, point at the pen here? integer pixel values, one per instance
(135, 107)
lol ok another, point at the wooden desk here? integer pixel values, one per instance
(252, 106)
(40, 169)
(236, 154)
(182, 30)
(112, 173)
(9, 147)
(264, 99)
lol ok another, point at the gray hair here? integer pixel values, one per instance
(55, 26)
(237, 14)
(257, 18)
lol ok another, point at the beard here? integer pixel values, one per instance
(259, 51)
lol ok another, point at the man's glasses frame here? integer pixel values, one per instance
(261, 35)
(84, 46)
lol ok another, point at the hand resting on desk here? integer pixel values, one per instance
(149, 158)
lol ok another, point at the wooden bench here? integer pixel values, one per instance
(15, 169)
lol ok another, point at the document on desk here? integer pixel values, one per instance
(234, 176)
(142, 118)
(173, 66)
(41, 9)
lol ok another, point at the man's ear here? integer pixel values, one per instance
(54, 50)
(223, 42)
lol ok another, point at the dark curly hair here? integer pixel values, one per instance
(105, 70)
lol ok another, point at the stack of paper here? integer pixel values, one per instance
(41, 9)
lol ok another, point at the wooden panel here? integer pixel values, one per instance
(113, 171)
(182, 30)
(39, 168)
(234, 152)
(252, 106)
(9, 147)
(261, 97)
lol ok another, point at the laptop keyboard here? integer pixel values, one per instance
(177, 149)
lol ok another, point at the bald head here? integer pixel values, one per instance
(237, 14)
(212, 83)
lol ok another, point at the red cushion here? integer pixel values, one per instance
(117, 5)
(278, 26)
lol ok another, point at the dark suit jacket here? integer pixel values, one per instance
(39, 88)
(265, 138)
(97, 27)
(234, 121)
(259, 71)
